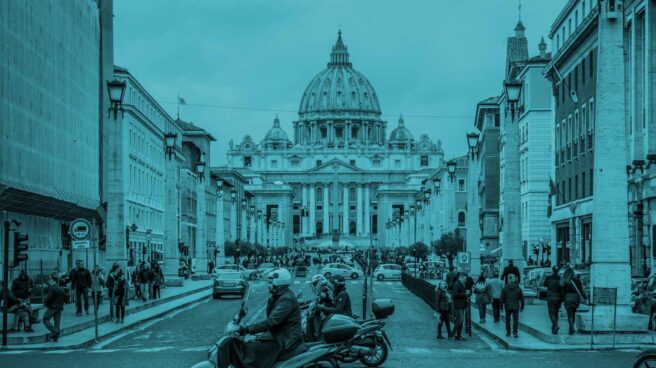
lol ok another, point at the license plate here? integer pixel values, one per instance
(229, 284)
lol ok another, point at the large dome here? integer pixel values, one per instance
(401, 134)
(339, 89)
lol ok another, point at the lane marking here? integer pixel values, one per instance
(198, 348)
(418, 351)
(61, 351)
(104, 351)
(462, 351)
(14, 352)
(154, 350)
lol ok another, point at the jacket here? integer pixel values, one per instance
(97, 282)
(554, 291)
(496, 287)
(482, 292)
(55, 298)
(512, 297)
(80, 278)
(442, 302)
(451, 278)
(342, 303)
(511, 270)
(459, 295)
(572, 297)
(283, 321)
(22, 288)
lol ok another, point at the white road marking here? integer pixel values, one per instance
(61, 351)
(12, 352)
(198, 348)
(418, 351)
(462, 351)
(296, 282)
(154, 350)
(104, 351)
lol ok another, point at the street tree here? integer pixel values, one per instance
(449, 245)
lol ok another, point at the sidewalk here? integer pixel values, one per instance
(80, 331)
(535, 333)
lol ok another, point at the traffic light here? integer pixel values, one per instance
(20, 248)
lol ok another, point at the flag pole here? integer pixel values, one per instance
(178, 106)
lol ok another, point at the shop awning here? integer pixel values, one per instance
(68, 208)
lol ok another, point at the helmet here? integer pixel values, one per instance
(339, 280)
(280, 277)
(316, 279)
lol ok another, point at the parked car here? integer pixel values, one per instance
(387, 271)
(229, 282)
(301, 271)
(267, 271)
(341, 269)
(531, 277)
(264, 267)
(249, 273)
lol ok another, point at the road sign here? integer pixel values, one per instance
(80, 229)
(81, 244)
(464, 261)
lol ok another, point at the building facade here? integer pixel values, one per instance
(336, 163)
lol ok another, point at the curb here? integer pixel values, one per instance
(92, 341)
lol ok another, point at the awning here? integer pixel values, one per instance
(22, 201)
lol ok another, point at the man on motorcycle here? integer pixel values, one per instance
(281, 329)
(342, 303)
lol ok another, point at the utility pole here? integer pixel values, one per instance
(5, 277)
(94, 243)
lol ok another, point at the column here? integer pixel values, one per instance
(304, 203)
(220, 232)
(200, 253)
(358, 212)
(345, 209)
(326, 209)
(243, 235)
(347, 133)
(251, 228)
(610, 257)
(365, 132)
(367, 207)
(171, 220)
(233, 221)
(511, 238)
(313, 211)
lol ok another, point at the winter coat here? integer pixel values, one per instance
(511, 270)
(55, 298)
(554, 290)
(496, 287)
(283, 321)
(482, 292)
(451, 278)
(572, 297)
(459, 295)
(443, 301)
(97, 282)
(110, 283)
(80, 278)
(342, 303)
(22, 287)
(146, 275)
(120, 292)
(512, 297)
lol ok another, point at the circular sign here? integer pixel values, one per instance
(463, 257)
(80, 229)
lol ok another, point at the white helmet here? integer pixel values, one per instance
(316, 279)
(280, 277)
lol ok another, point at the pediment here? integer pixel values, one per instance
(335, 165)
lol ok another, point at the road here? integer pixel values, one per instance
(182, 338)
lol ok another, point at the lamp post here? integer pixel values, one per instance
(513, 89)
(413, 213)
(472, 142)
(116, 89)
(451, 168)
(200, 167)
(169, 141)
(219, 188)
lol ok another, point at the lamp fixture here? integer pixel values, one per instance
(233, 195)
(472, 142)
(513, 89)
(436, 184)
(116, 91)
(169, 141)
(451, 168)
(200, 166)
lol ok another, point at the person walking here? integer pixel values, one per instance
(510, 269)
(496, 287)
(158, 280)
(482, 293)
(554, 298)
(80, 282)
(111, 284)
(443, 306)
(512, 300)
(120, 296)
(144, 281)
(460, 296)
(97, 283)
(54, 302)
(574, 295)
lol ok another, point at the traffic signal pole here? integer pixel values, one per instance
(5, 277)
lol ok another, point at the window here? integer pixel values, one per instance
(376, 163)
(592, 64)
(576, 78)
(583, 72)
(352, 162)
(397, 164)
(582, 185)
(424, 161)
(248, 161)
(461, 185)
(295, 163)
(569, 190)
(339, 132)
(274, 163)
(461, 219)
(591, 182)
(497, 120)
(576, 187)
(318, 162)
(324, 132)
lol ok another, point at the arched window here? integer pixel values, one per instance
(461, 219)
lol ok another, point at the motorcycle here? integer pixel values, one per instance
(313, 356)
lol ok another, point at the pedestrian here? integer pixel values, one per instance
(482, 293)
(110, 284)
(158, 280)
(496, 287)
(511, 269)
(20, 309)
(443, 306)
(460, 296)
(136, 281)
(80, 282)
(144, 281)
(574, 295)
(120, 296)
(554, 298)
(97, 283)
(451, 277)
(22, 287)
(512, 300)
(54, 302)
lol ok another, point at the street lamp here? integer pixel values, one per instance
(219, 187)
(169, 140)
(513, 89)
(200, 167)
(233, 195)
(116, 89)
(436, 185)
(243, 203)
(427, 193)
(472, 142)
(451, 168)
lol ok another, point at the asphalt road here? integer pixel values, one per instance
(182, 338)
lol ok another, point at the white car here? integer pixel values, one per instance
(387, 271)
(250, 274)
(341, 269)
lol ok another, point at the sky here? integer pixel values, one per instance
(239, 63)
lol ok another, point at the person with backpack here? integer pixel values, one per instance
(574, 295)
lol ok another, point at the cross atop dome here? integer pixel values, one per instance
(339, 56)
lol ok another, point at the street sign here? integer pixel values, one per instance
(464, 261)
(604, 296)
(81, 244)
(80, 229)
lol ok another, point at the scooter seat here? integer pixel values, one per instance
(300, 349)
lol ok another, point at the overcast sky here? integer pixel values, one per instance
(434, 58)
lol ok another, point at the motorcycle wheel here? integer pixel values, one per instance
(642, 362)
(378, 357)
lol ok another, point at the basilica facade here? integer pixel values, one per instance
(339, 176)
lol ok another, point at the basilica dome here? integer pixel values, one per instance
(339, 89)
(276, 136)
(401, 134)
